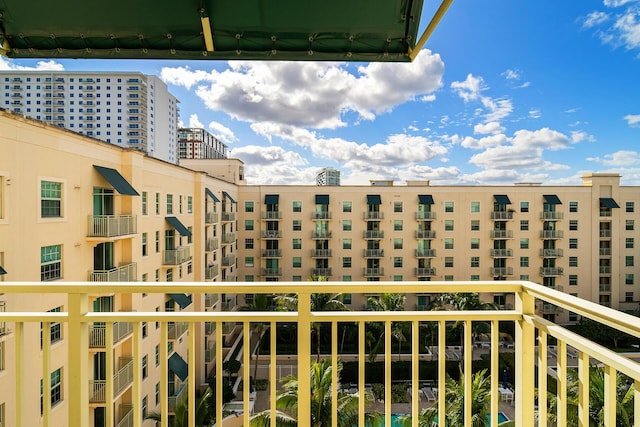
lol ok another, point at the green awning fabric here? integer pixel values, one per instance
(502, 199)
(183, 300)
(322, 199)
(175, 223)
(271, 199)
(178, 366)
(374, 199)
(608, 202)
(292, 30)
(552, 199)
(425, 199)
(117, 181)
(2, 270)
(225, 194)
(213, 196)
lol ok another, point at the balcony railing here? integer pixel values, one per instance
(112, 225)
(326, 272)
(551, 216)
(210, 300)
(425, 234)
(425, 216)
(501, 215)
(271, 253)
(502, 253)
(373, 234)
(126, 416)
(228, 216)
(123, 273)
(551, 234)
(373, 216)
(211, 217)
(534, 356)
(320, 215)
(271, 234)
(228, 261)
(321, 234)
(211, 272)
(176, 256)
(425, 253)
(271, 215)
(501, 234)
(373, 253)
(176, 330)
(229, 238)
(98, 333)
(425, 271)
(551, 253)
(320, 253)
(212, 244)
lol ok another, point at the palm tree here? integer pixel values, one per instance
(387, 302)
(321, 380)
(465, 301)
(181, 413)
(261, 302)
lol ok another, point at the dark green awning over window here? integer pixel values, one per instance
(213, 196)
(183, 300)
(502, 199)
(322, 199)
(608, 202)
(175, 223)
(552, 199)
(271, 199)
(178, 366)
(425, 199)
(225, 194)
(2, 270)
(374, 199)
(117, 181)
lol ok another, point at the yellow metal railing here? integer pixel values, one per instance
(531, 352)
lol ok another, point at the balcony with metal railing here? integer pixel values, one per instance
(502, 253)
(321, 234)
(425, 253)
(211, 244)
(551, 253)
(98, 333)
(271, 234)
(112, 225)
(501, 234)
(176, 256)
(425, 234)
(321, 272)
(271, 253)
(228, 216)
(502, 215)
(425, 216)
(320, 216)
(228, 238)
(211, 217)
(228, 260)
(425, 271)
(210, 272)
(541, 350)
(373, 253)
(126, 272)
(320, 253)
(271, 215)
(551, 216)
(373, 234)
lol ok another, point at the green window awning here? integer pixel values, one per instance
(183, 300)
(175, 223)
(552, 199)
(322, 199)
(374, 199)
(117, 181)
(178, 366)
(2, 270)
(225, 194)
(425, 199)
(213, 196)
(271, 199)
(502, 199)
(608, 202)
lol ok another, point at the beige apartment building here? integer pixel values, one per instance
(73, 208)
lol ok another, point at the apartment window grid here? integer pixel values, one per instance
(573, 225)
(346, 225)
(573, 243)
(144, 244)
(347, 279)
(628, 242)
(180, 204)
(346, 262)
(448, 206)
(448, 225)
(346, 243)
(628, 279)
(248, 261)
(347, 206)
(56, 389)
(524, 207)
(50, 263)
(144, 408)
(157, 274)
(145, 369)
(628, 261)
(628, 297)
(296, 206)
(50, 199)
(475, 261)
(248, 243)
(248, 206)
(297, 243)
(474, 277)
(475, 243)
(475, 207)
(169, 203)
(297, 262)
(144, 203)
(189, 204)
(630, 207)
(145, 331)
(573, 261)
(248, 224)
(397, 243)
(448, 262)
(157, 355)
(397, 207)
(573, 207)
(573, 280)
(157, 394)
(524, 225)
(524, 243)
(629, 225)
(448, 243)
(397, 262)
(157, 241)
(397, 225)
(297, 225)
(448, 278)
(169, 275)
(157, 203)
(475, 225)
(524, 261)
(296, 278)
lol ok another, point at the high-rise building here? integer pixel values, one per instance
(197, 143)
(128, 109)
(328, 176)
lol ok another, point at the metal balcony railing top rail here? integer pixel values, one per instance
(532, 334)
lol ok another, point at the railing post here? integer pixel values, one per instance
(304, 358)
(78, 361)
(525, 366)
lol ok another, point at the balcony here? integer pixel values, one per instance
(273, 272)
(425, 216)
(229, 238)
(425, 234)
(123, 273)
(112, 225)
(125, 417)
(211, 272)
(425, 271)
(320, 216)
(501, 234)
(551, 234)
(321, 234)
(229, 260)
(177, 329)
(326, 272)
(271, 215)
(271, 253)
(211, 217)
(211, 244)
(551, 253)
(373, 253)
(228, 216)
(176, 256)
(551, 271)
(373, 216)
(501, 271)
(320, 253)
(425, 253)
(532, 352)
(210, 300)
(98, 333)
(373, 234)
(501, 253)
(373, 272)
(551, 216)
(271, 234)
(605, 252)
(502, 215)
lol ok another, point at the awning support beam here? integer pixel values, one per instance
(435, 20)
(206, 33)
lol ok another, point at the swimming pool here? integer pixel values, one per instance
(501, 418)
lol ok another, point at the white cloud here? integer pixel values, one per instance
(535, 113)
(618, 159)
(484, 143)
(51, 65)
(629, 29)
(633, 119)
(486, 128)
(579, 136)
(222, 132)
(625, 29)
(594, 19)
(469, 89)
(617, 3)
(274, 165)
(194, 122)
(511, 75)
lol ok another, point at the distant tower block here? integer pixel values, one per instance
(328, 176)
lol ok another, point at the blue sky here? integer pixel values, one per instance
(505, 91)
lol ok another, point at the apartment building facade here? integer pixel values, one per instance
(131, 110)
(328, 176)
(198, 143)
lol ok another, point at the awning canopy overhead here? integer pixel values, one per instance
(502, 199)
(178, 366)
(271, 199)
(210, 194)
(425, 199)
(175, 223)
(117, 181)
(335, 30)
(183, 300)
(374, 199)
(552, 199)
(225, 194)
(608, 202)
(2, 270)
(322, 199)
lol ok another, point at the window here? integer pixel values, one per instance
(346, 243)
(397, 207)
(397, 262)
(524, 261)
(346, 206)
(50, 199)
(145, 277)
(157, 394)
(55, 328)
(475, 225)
(397, 278)
(448, 243)
(628, 243)
(144, 244)
(475, 261)
(248, 261)
(347, 279)
(180, 203)
(573, 261)
(346, 225)
(346, 298)
(573, 280)
(346, 262)
(248, 243)
(157, 355)
(573, 225)
(50, 263)
(56, 389)
(397, 243)
(169, 203)
(157, 241)
(145, 370)
(573, 207)
(248, 206)
(448, 207)
(296, 278)
(297, 225)
(296, 206)
(475, 207)
(157, 203)
(157, 274)
(628, 297)
(144, 408)
(144, 203)
(524, 207)
(145, 333)
(629, 206)
(475, 243)
(628, 261)
(248, 278)
(448, 261)
(628, 279)
(524, 243)
(628, 225)
(397, 225)
(448, 225)
(573, 243)
(524, 225)
(297, 262)
(169, 275)
(297, 243)
(189, 204)
(248, 225)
